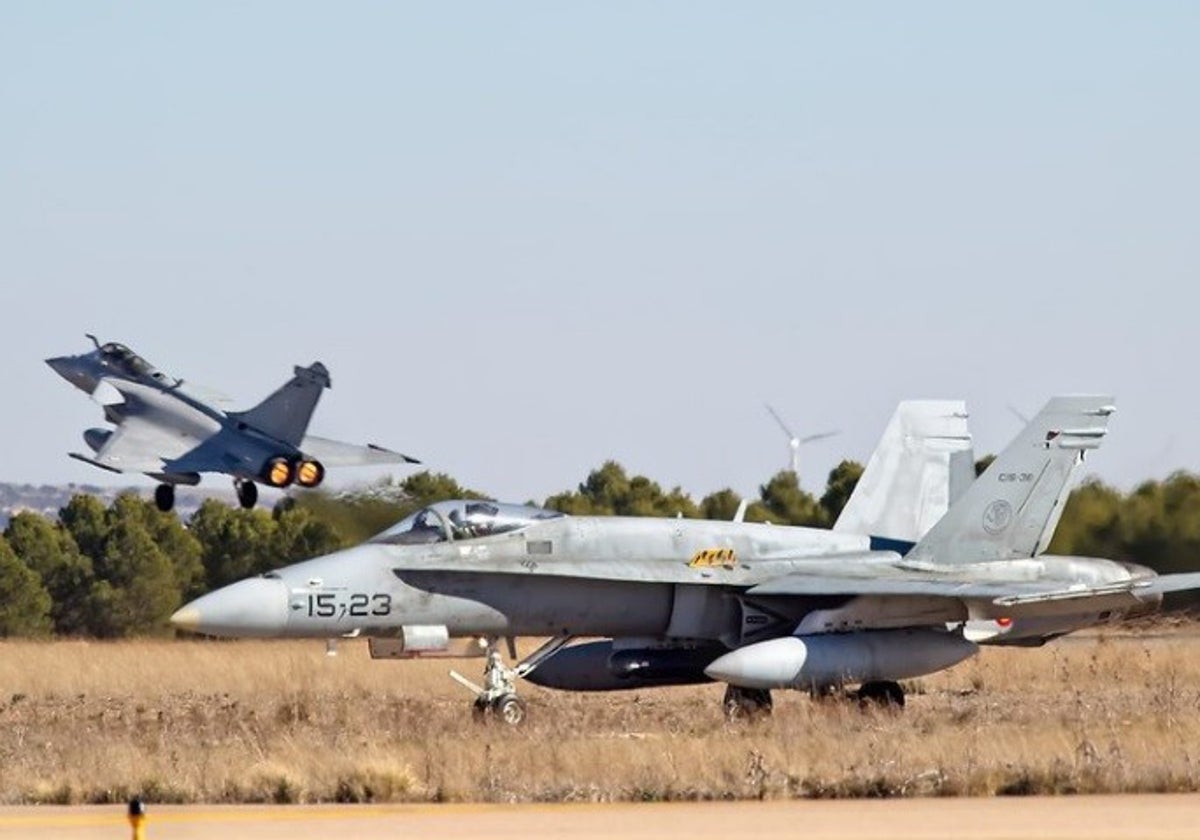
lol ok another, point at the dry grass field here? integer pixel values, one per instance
(197, 721)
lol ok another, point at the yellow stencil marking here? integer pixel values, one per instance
(707, 557)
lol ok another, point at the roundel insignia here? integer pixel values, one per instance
(997, 516)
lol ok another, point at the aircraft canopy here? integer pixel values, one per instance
(127, 360)
(459, 520)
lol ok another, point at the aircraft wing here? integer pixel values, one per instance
(988, 599)
(335, 453)
(876, 576)
(137, 446)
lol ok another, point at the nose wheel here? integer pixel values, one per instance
(497, 698)
(247, 492)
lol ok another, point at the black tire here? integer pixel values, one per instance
(883, 694)
(747, 703)
(164, 497)
(480, 710)
(510, 708)
(247, 493)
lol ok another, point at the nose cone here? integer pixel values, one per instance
(251, 607)
(73, 370)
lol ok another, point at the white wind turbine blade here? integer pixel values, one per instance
(820, 436)
(791, 435)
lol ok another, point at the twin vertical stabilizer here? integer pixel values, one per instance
(1010, 511)
(923, 463)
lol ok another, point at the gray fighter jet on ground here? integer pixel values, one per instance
(756, 606)
(173, 431)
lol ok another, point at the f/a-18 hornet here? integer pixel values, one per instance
(173, 432)
(756, 606)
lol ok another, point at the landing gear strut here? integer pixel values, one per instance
(885, 694)
(497, 697)
(247, 492)
(164, 497)
(746, 703)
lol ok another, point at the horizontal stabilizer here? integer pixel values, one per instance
(1166, 584)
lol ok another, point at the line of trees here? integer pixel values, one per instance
(121, 570)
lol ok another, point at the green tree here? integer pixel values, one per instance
(359, 515)
(178, 545)
(234, 543)
(609, 491)
(720, 504)
(24, 601)
(87, 521)
(787, 504)
(842, 480)
(137, 591)
(1091, 523)
(1160, 524)
(300, 535)
(424, 488)
(48, 549)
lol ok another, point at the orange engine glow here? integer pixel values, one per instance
(279, 473)
(309, 473)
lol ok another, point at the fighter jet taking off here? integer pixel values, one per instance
(173, 432)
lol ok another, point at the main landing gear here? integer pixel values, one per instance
(750, 704)
(497, 698)
(885, 694)
(247, 492)
(746, 703)
(164, 497)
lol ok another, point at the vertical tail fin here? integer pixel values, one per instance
(1010, 511)
(923, 462)
(286, 413)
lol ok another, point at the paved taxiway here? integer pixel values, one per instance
(1165, 817)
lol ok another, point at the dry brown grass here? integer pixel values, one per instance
(280, 721)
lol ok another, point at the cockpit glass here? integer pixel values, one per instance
(122, 356)
(462, 520)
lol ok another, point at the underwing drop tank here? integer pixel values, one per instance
(821, 661)
(600, 666)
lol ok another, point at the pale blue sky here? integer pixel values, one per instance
(529, 237)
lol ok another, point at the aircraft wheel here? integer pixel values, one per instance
(746, 703)
(480, 710)
(511, 709)
(164, 497)
(247, 493)
(884, 694)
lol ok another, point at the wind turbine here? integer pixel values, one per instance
(795, 442)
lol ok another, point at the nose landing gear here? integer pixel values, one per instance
(497, 697)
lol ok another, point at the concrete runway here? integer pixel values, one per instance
(1048, 818)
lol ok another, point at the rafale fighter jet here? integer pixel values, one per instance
(755, 606)
(173, 431)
